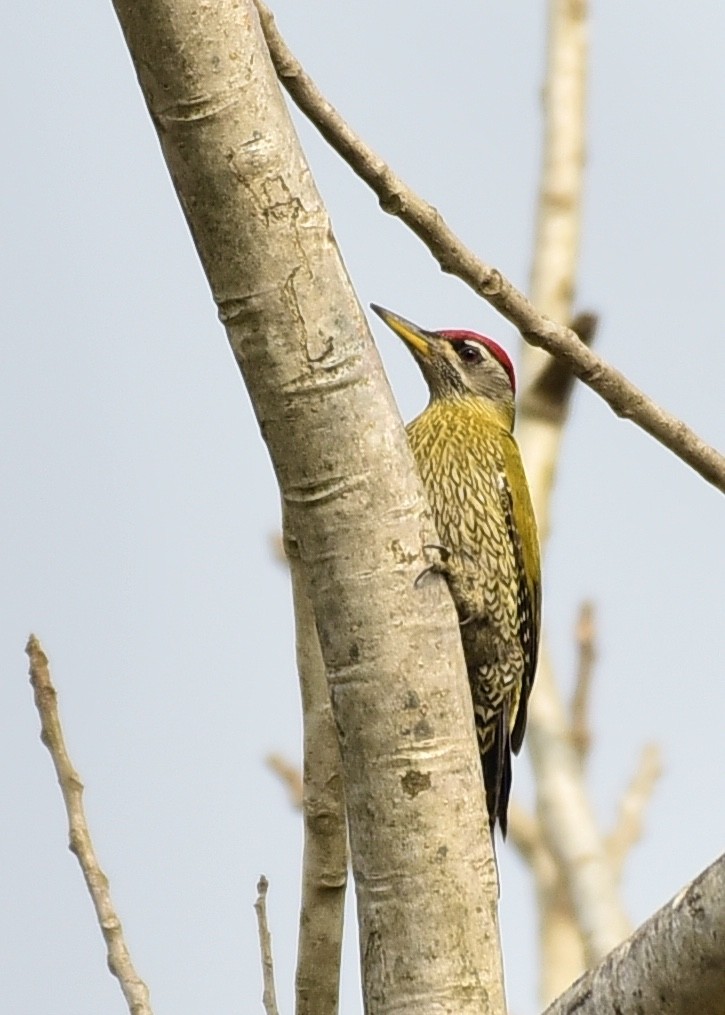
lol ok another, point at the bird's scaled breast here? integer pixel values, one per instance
(459, 456)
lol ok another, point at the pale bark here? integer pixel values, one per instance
(424, 872)
(324, 862)
(673, 965)
(396, 198)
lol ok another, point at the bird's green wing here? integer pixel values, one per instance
(521, 525)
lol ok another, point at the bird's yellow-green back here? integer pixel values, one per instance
(489, 550)
(471, 468)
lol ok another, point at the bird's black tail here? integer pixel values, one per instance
(496, 764)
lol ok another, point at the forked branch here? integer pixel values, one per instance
(396, 198)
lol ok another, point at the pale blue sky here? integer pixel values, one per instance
(138, 502)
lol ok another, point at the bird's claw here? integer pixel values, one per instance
(426, 571)
(443, 550)
(438, 567)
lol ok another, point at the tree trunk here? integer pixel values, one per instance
(421, 856)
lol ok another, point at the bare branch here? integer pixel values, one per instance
(289, 775)
(396, 198)
(269, 994)
(321, 797)
(581, 736)
(134, 989)
(325, 860)
(628, 827)
(672, 965)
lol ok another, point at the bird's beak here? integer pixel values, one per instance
(417, 339)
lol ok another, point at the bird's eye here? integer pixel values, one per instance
(469, 353)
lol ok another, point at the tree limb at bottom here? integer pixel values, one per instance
(673, 965)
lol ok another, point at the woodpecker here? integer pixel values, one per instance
(472, 472)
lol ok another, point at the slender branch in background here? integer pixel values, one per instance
(672, 965)
(289, 775)
(547, 394)
(547, 386)
(623, 397)
(559, 206)
(269, 994)
(628, 827)
(321, 798)
(134, 989)
(581, 735)
(560, 941)
(322, 910)
(581, 914)
(325, 859)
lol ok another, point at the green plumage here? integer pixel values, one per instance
(489, 553)
(473, 476)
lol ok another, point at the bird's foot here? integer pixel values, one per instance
(438, 566)
(443, 565)
(443, 550)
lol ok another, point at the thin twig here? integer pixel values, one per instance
(586, 642)
(51, 733)
(269, 996)
(628, 827)
(454, 257)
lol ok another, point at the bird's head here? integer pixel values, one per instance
(457, 364)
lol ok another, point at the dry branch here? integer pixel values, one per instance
(321, 798)
(325, 859)
(581, 735)
(134, 989)
(269, 993)
(396, 198)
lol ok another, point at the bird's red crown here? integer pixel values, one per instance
(497, 351)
